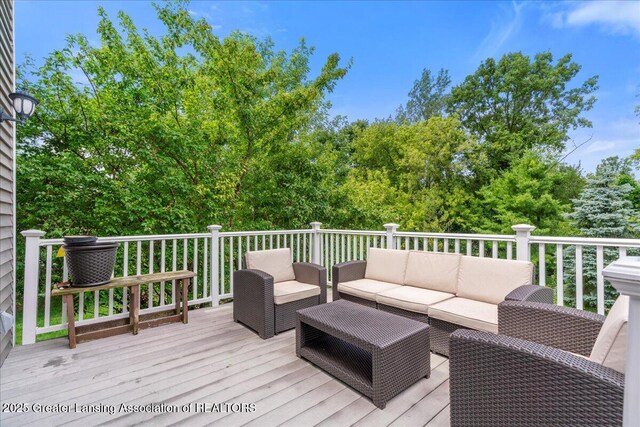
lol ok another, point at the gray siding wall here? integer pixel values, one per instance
(7, 173)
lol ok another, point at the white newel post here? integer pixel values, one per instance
(214, 262)
(523, 233)
(31, 278)
(315, 245)
(624, 275)
(391, 230)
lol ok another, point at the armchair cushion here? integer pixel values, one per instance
(365, 288)
(386, 265)
(436, 271)
(467, 313)
(411, 298)
(610, 347)
(291, 290)
(276, 262)
(490, 280)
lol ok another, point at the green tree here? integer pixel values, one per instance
(171, 133)
(534, 191)
(520, 103)
(427, 98)
(602, 210)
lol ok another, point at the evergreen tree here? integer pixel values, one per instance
(602, 210)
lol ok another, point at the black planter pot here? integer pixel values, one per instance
(91, 265)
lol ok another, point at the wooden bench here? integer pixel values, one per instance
(135, 321)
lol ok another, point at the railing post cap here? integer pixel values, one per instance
(33, 233)
(391, 225)
(523, 227)
(315, 224)
(624, 275)
(214, 227)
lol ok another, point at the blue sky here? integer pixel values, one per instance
(391, 42)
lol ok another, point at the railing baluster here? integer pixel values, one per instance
(239, 253)
(47, 288)
(150, 286)
(139, 258)
(195, 268)
(163, 253)
(270, 241)
(579, 281)
(297, 247)
(125, 273)
(481, 248)
(174, 265)
(446, 245)
(185, 254)
(331, 249)
(65, 277)
(205, 275)
(342, 257)
(435, 245)
(264, 242)
(255, 243)
(494, 249)
(456, 246)
(542, 265)
(96, 301)
(231, 264)
(469, 248)
(81, 306)
(600, 278)
(509, 250)
(348, 257)
(622, 251)
(222, 280)
(559, 275)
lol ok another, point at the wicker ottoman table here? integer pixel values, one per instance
(377, 353)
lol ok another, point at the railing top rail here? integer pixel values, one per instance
(264, 232)
(352, 232)
(49, 242)
(587, 241)
(497, 237)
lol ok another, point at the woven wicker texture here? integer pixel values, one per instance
(361, 301)
(565, 328)
(440, 333)
(380, 354)
(531, 293)
(345, 272)
(503, 381)
(285, 314)
(90, 266)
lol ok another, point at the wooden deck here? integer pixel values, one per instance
(211, 360)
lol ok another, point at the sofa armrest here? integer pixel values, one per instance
(312, 274)
(531, 293)
(565, 328)
(345, 272)
(253, 301)
(500, 380)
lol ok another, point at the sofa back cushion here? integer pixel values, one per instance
(610, 348)
(276, 262)
(489, 279)
(436, 271)
(386, 265)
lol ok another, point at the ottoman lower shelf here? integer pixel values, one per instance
(345, 361)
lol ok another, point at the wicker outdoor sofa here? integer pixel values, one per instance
(272, 288)
(448, 291)
(548, 366)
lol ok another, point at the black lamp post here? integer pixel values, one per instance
(24, 105)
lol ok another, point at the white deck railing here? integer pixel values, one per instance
(213, 256)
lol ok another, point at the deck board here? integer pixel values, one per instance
(212, 360)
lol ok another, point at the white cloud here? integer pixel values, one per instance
(618, 17)
(601, 146)
(501, 31)
(199, 13)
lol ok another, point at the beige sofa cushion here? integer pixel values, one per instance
(489, 279)
(469, 313)
(276, 262)
(291, 290)
(386, 265)
(365, 288)
(610, 348)
(429, 270)
(411, 298)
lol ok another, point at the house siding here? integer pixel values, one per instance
(7, 174)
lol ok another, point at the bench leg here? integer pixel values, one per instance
(185, 300)
(136, 308)
(176, 295)
(72, 321)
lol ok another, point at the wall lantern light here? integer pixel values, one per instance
(24, 105)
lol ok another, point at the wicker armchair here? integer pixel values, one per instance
(267, 296)
(548, 366)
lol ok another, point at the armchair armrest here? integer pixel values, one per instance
(531, 293)
(499, 380)
(253, 301)
(345, 272)
(565, 328)
(312, 274)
